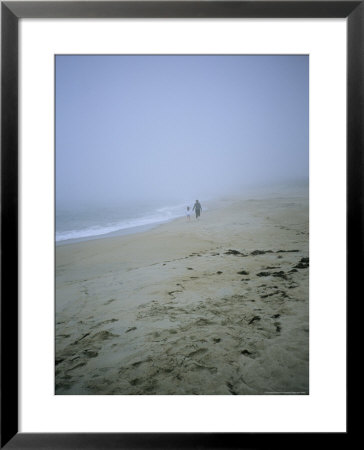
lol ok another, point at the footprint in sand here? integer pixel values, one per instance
(104, 322)
(103, 336)
(130, 329)
(109, 301)
(199, 352)
(248, 353)
(173, 292)
(254, 319)
(80, 364)
(90, 353)
(231, 389)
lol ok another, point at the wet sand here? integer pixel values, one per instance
(217, 306)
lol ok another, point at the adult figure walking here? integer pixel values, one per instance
(197, 207)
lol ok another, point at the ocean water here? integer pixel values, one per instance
(94, 222)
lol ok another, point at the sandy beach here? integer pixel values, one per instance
(217, 306)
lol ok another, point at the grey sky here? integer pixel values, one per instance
(177, 127)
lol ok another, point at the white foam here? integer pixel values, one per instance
(161, 215)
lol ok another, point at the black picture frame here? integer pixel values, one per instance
(11, 12)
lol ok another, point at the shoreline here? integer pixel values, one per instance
(221, 203)
(122, 232)
(213, 306)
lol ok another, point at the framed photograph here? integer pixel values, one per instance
(181, 200)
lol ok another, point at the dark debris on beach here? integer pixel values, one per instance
(303, 264)
(234, 252)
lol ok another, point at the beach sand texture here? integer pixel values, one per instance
(217, 306)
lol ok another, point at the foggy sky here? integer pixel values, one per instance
(177, 127)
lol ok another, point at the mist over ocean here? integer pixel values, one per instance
(140, 138)
(103, 220)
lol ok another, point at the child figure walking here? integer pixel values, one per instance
(188, 213)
